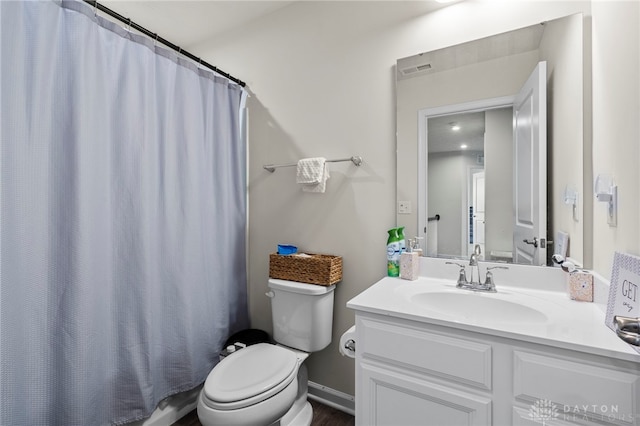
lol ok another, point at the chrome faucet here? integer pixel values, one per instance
(473, 262)
(488, 285)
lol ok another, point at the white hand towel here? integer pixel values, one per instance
(312, 174)
(310, 171)
(319, 187)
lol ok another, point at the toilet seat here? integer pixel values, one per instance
(250, 376)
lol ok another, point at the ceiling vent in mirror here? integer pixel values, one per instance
(416, 68)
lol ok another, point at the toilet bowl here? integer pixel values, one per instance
(266, 384)
(257, 385)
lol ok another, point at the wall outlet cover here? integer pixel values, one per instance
(404, 207)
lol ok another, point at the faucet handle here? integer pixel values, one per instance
(489, 280)
(462, 275)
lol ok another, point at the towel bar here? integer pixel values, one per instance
(272, 167)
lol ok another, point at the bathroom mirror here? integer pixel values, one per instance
(464, 95)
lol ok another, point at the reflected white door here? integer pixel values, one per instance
(530, 169)
(478, 211)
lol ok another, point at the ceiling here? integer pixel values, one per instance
(187, 23)
(442, 138)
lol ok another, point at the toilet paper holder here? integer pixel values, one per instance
(350, 345)
(347, 346)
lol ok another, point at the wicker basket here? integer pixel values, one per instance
(318, 269)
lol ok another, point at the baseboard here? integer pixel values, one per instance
(331, 397)
(172, 409)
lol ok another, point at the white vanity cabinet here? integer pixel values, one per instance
(418, 373)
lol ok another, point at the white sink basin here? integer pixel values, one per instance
(477, 307)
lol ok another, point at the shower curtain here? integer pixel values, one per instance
(122, 218)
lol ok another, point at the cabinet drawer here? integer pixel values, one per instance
(460, 360)
(577, 389)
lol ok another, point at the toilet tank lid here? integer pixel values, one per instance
(297, 287)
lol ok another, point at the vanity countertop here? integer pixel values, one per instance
(548, 317)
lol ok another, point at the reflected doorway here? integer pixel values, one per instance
(465, 150)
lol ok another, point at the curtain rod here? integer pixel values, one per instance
(167, 43)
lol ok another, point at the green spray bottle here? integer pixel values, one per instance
(401, 240)
(393, 253)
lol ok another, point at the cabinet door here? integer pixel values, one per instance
(389, 397)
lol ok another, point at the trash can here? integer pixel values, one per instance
(242, 339)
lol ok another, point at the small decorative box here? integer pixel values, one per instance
(409, 266)
(581, 286)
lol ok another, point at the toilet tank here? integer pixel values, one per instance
(302, 314)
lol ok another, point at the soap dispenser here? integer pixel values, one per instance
(410, 263)
(415, 246)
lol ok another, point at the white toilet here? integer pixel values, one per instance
(266, 384)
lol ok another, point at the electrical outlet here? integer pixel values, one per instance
(404, 207)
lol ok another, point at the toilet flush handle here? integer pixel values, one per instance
(270, 294)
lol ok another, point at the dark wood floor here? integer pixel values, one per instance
(322, 416)
(327, 416)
